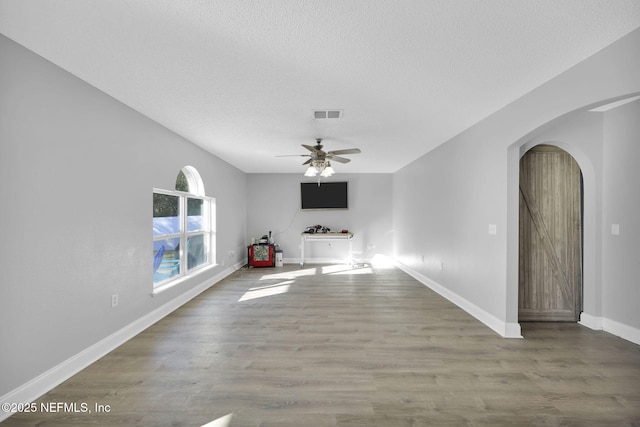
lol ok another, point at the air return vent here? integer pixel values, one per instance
(327, 114)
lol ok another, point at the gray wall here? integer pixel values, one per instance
(274, 204)
(77, 169)
(445, 200)
(443, 205)
(621, 205)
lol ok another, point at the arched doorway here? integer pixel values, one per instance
(550, 236)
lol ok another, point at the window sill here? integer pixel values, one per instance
(180, 280)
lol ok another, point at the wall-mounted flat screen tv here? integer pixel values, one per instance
(327, 195)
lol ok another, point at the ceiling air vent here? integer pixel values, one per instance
(327, 114)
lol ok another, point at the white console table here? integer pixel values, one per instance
(323, 237)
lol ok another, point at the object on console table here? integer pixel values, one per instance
(317, 229)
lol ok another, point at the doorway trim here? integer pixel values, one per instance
(591, 287)
(592, 315)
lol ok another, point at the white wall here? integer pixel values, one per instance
(443, 206)
(274, 204)
(77, 169)
(621, 205)
(444, 201)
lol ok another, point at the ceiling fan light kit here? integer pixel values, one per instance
(311, 171)
(328, 170)
(321, 168)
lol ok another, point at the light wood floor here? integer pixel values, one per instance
(331, 346)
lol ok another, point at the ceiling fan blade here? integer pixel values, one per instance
(338, 159)
(294, 155)
(317, 155)
(346, 151)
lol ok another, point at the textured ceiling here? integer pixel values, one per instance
(242, 78)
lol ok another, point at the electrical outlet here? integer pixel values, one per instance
(441, 265)
(232, 254)
(114, 300)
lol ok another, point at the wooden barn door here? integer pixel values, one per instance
(550, 271)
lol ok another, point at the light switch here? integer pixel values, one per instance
(615, 229)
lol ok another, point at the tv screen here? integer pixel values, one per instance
(327, 195)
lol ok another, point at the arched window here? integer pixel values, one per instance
(189, 181)
(183, 229)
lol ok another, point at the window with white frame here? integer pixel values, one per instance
(183, 229)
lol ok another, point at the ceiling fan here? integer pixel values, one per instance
(319, 160)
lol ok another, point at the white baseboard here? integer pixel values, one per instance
(512, 330)
(590, 321)
(319, 261)
(504, 329)
(618, 329)
(41, 384)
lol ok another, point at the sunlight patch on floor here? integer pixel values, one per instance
(382, 261)
(354, 271)
(289, 275)
(266, 291)
(332, 269)
(220, 422)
